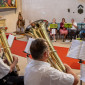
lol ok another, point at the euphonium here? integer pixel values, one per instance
(39, 31)
(7, 51)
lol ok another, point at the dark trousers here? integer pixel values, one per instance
(82, 34)
(72, 34)
(12, 80)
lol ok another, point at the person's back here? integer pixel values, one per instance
(41, 73)
(35, 74)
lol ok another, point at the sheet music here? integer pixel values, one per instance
(82, 51)
(82, 72)
(10, 40)
(27, 49)
(74, 49)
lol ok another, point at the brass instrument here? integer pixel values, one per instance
(39, 31)
(7, 51)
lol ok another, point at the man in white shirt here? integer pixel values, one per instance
(73, 30)
(7, 76)
(74, 25)
(39, 72)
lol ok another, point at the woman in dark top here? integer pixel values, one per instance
(63, 30)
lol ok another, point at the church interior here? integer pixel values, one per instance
(18, 18)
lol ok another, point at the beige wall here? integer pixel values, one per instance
(43, 9)
(49, 9)
(11, 17)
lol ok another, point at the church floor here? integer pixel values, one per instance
(23, 61)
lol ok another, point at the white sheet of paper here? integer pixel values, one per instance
(27, 48)
(10, 40)
(82, 52)
(82, 66)
(74, 50)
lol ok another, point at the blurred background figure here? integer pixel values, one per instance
(63, 30)
(73, 30)
(53, 31)
(20, 24)
(82, 32)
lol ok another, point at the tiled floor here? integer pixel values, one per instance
(23, 61)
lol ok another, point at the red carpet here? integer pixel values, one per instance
(62, 52)
(19, 46)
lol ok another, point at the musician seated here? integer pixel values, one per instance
(73, 30)
(7, 76)
(53, 31)
(63, 30)
(82, 32)
(39, 72)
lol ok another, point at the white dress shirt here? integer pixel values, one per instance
(4, 69)
(41, 73)
(73, 28)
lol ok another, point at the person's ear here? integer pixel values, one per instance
(45, 53)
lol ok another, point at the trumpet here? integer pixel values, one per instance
(7, 51)
(39, 31)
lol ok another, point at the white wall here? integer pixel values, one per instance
(48, 9)
(11, 17)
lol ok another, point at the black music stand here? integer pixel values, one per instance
(27, 51)
(81, 61)
(27, 54)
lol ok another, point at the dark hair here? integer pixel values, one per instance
(37, 48)
(63, 19)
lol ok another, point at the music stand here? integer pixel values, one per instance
(27, 48)
(73, 50)
(80, 61)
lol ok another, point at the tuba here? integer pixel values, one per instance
(7, 51)
(39, 31)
